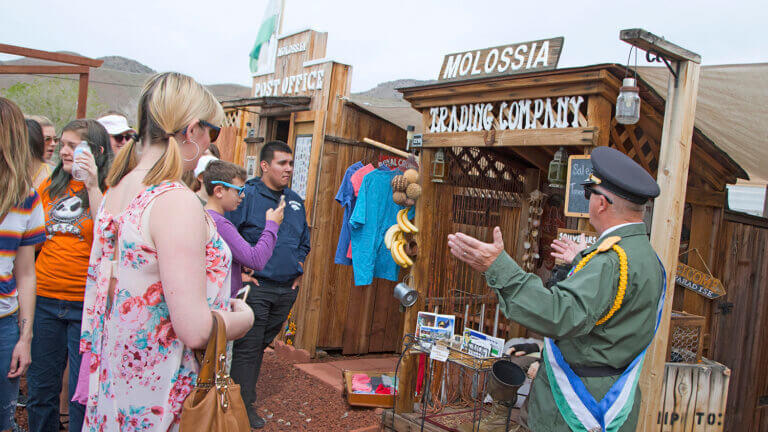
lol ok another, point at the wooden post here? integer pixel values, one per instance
(672, 177)
(82, 96)
(425, 212)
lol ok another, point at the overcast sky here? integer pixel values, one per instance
(382, 40)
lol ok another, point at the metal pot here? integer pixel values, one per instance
(505, 379)
(405, 294)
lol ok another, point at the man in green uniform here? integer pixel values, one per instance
(600, 318)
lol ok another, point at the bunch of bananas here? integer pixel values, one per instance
(395, 241)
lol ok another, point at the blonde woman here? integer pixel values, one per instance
(21, 228)
(145, 314)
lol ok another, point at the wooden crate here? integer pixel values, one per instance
(694, 397)
(686, 338)
(366, 400)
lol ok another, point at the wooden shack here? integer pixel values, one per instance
(497, 159)
(305, 102)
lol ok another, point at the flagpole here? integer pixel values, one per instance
(282, 13)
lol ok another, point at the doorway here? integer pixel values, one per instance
(282, 128)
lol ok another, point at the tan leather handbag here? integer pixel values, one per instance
(215, 403)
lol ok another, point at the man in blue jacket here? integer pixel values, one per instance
(276, 286)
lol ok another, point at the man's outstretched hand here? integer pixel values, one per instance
(477, 254)
(567, 249)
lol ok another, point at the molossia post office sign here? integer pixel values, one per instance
(510, 59)
(299, 67)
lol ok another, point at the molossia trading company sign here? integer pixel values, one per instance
(510, 59)
(698, 282)
(545, 113)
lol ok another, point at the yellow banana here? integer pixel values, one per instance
(401, 251)
(411, 228)
(396, 256)
(401, 223)
(398, 235)
(390, 235)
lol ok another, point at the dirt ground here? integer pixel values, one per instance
(289, 399)
(288, 395)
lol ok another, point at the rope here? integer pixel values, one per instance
(623, 272)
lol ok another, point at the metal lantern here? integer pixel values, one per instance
(438, 167)
(628, 102)
(558, 169)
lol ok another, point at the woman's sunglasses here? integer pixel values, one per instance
(240, 189)
(213, 130)
(123, 137)
(588, 191)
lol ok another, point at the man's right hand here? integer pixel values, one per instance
(276, 215)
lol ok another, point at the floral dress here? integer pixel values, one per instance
(140, 372)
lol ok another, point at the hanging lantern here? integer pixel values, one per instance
(558, 169)
(438, 167)
(628, 102)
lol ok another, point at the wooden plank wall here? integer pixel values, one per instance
(739, 337)
(356, 319)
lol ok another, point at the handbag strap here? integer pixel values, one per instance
(214, 362)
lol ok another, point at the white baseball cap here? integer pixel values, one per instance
(115, 124)
(203, 162)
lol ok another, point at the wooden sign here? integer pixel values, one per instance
(563, 233)
(300, 68)
(579, 169)
(510, 59)
(698, 282)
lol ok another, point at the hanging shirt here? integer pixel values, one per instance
(374, 213)
(346, 197)
(357, 177)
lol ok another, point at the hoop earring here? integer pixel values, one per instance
(197, 152)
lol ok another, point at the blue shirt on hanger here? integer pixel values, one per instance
(346, 197)
(374, 213)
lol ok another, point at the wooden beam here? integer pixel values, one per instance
(765, 202)
(704, 197)
(39, 69)
(648, 41)
(672, 176)
(513, 138)
(533, 155)
(599, 115)
(52, 56)
(82, 96)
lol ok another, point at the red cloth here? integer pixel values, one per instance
(381, 389)
(420, 373)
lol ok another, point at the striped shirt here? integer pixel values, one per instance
(24, 225)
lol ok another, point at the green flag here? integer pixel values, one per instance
(264, 48)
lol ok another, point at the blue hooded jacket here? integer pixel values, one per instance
(292, 247)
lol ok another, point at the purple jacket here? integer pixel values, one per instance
(243, 254)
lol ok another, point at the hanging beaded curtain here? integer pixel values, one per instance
(480, 191)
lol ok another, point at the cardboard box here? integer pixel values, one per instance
(367, 400)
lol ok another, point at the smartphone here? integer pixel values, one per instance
(243, 293)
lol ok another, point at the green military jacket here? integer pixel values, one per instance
(569, 310)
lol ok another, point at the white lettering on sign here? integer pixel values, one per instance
(561, 113)
(291, 49)
(291, 85)
(503, 60)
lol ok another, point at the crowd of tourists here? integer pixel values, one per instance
(117, 243)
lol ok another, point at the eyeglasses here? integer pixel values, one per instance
(240, 189)
(213, 130)
(123, 137)
(51, 139)
(588, 191)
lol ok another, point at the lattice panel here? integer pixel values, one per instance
(232, 118)
(474, 168)
(635, 142)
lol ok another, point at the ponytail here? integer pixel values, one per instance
(168, 167)
(125, 161)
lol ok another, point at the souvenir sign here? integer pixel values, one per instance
(698, 282)
(579, 169)
(564, 233)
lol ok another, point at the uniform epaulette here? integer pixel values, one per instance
(608, 243)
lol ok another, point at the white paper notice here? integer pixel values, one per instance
(439, 353)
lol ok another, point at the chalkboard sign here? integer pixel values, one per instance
(579, 169)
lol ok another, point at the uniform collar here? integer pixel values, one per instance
(621, 230)
(263, 189)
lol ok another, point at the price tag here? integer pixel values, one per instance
(439, 353)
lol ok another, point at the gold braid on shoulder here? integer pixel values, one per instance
(610, 243)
